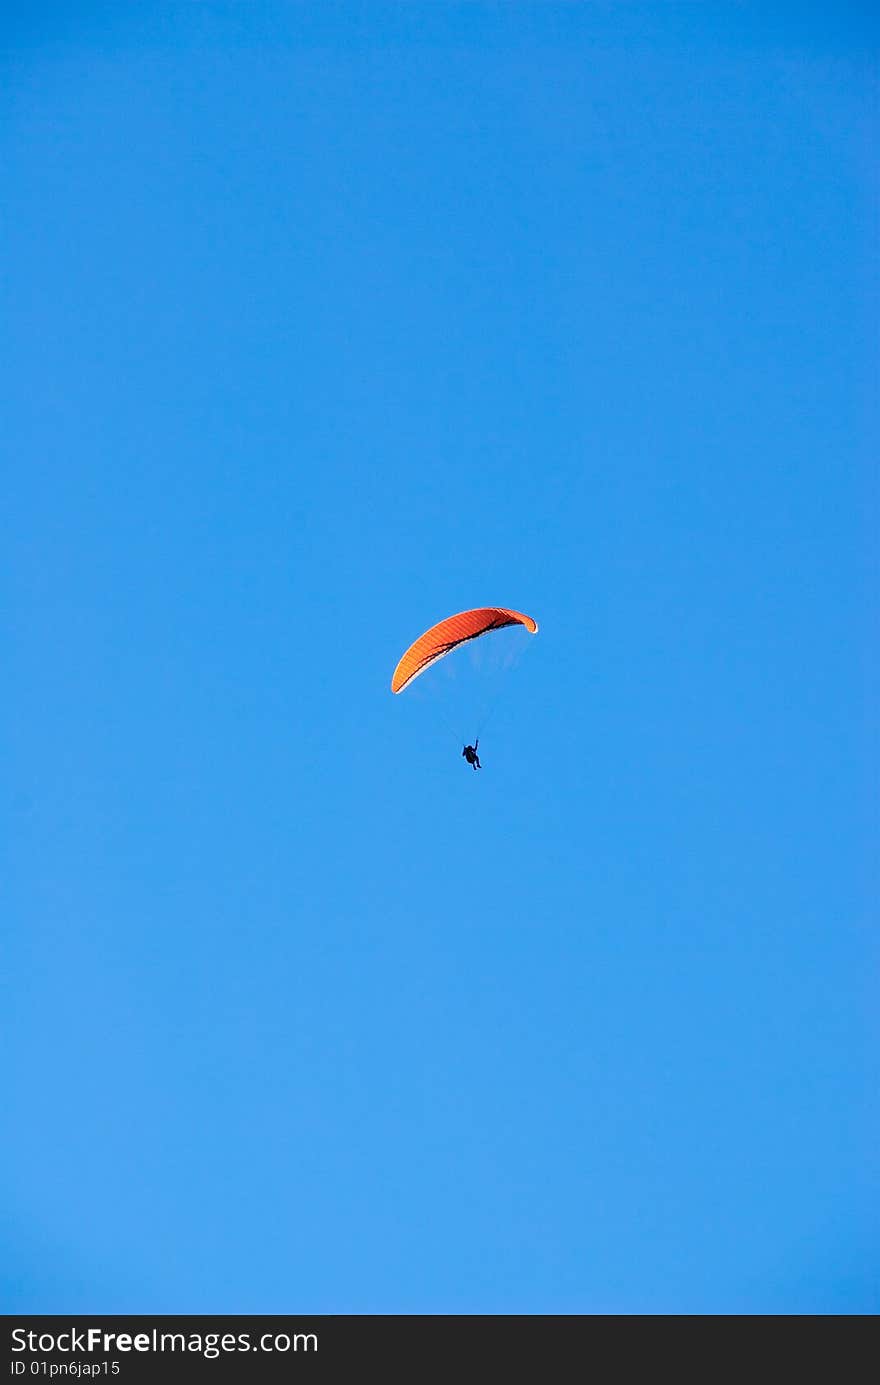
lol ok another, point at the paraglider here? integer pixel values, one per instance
(447, 635)
(470, 754)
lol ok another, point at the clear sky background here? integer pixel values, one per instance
(319, 324)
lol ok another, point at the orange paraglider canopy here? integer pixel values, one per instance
(443, 638)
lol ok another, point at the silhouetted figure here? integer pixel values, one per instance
(470, 754)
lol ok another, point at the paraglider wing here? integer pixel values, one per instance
(441, 639)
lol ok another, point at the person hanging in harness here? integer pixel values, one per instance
(470, 754)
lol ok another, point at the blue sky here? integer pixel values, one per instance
(324, 322)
